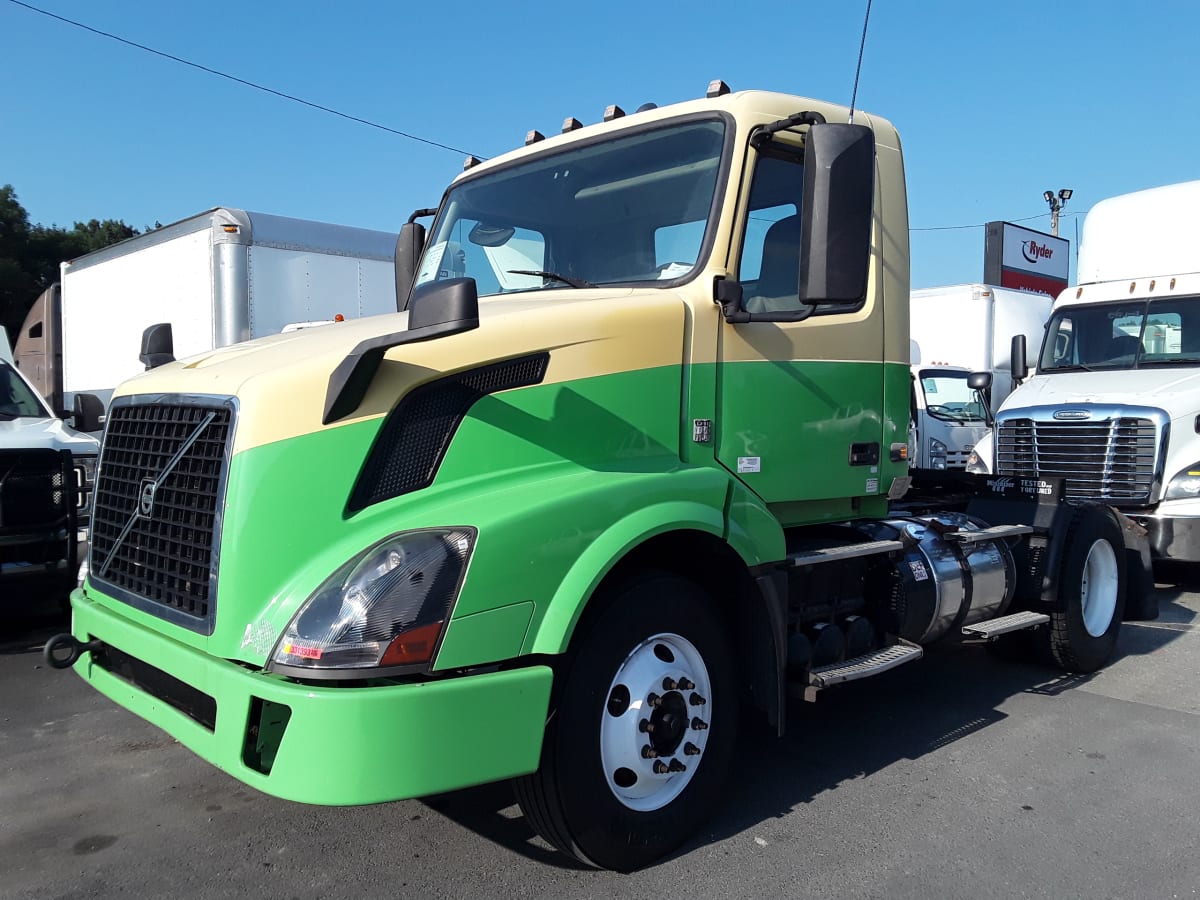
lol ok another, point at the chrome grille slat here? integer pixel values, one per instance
(1112, 459)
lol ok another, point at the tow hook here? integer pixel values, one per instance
(52, 653)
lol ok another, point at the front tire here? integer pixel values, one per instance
(1091, 591)
(641, 734)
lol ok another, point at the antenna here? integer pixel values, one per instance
(858, 69)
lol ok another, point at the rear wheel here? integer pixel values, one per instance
(641, 734)
(1091, 591)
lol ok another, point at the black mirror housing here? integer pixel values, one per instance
(409, 245)
(1018, 367)
(839, 207)
(88, 412)
(979, 381)
(158, 346)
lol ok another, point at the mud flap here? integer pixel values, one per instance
(1141, 600)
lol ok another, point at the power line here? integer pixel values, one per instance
(242, 81)
(984, 224)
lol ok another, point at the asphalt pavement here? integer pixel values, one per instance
(956, 776)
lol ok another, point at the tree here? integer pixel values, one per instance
(30, 254)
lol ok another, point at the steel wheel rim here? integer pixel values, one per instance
(1098, 588)
(663, 683)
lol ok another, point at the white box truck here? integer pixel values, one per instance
(956, 330)
(1113, 406)
(223, 276)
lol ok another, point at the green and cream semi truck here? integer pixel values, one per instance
(627, 467)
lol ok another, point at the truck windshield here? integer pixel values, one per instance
(1132, 334)
(628, 210)
(948, 397)
(16, 399)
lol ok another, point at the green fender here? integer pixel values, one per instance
(553, 633)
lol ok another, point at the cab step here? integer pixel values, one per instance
(864, 666)
(994, 533)
(844, 551)
(993, 628)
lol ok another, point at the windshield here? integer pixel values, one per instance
(1131, 335)
(948, 397)
(627, 210)
(16, 398)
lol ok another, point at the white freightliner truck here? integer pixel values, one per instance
(569, 529)
(1113, 403)
(959, 330)
(219, 277)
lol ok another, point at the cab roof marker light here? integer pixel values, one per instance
(716, 88)
(570, 123)
(612, 111)
(470, 162)
(532, 136)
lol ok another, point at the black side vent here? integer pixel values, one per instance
(414, 438)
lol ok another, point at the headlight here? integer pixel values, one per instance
(975, 464)
(937, 454)
(384, 608)
(1185, 485)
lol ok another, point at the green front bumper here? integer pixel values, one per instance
(341, 745)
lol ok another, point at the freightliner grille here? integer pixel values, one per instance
(158, 496)
(1112, 459)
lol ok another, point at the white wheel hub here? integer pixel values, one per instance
(654, 726)
(1098, 588)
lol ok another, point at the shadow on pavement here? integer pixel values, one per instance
(916, 710)
(29, 616)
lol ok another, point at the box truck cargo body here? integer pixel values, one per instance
(956, 330)
(972, 326)
(223, 276)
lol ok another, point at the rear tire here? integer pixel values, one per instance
(1091, 592)
(602, 792)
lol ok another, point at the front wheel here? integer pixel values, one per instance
(641, 734)
(1083, 633)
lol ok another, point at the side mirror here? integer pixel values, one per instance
(409, 246)
(158, 346)
(979, 381)
(88, 413)
(839, 203)
(1017, 365)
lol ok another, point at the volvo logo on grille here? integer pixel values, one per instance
(146, 498)
(1072, 414)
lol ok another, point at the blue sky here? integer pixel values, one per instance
(995, 102)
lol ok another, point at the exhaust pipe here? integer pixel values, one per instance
(53, 652)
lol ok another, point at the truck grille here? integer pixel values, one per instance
(1112, 459)
(158, 496)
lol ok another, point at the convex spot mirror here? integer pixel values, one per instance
(979, 381)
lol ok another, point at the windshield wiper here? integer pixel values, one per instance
(553, 276)
(1069, 367)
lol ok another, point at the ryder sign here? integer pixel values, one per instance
(1016, 257)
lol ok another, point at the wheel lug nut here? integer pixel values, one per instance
(660, 767)
(690, 749)
(685, 685)
(644, 726)
(653, 700)
(669, 684)
(676, 766)
(696, 700)
(698, 724)
(649, 752)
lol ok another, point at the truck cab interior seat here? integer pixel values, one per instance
(779, 276)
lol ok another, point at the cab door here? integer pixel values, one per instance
(799, 403)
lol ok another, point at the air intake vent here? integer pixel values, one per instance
(414, 438)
